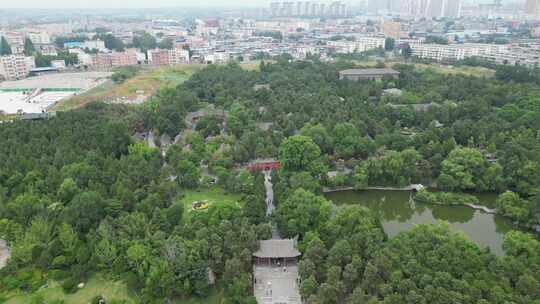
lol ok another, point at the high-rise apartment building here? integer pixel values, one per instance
(431, 8)
(308, 9)
(532, 8)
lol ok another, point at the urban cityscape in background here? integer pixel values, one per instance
(92, 42)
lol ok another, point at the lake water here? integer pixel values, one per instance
(398, 213)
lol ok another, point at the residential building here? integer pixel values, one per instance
(14, 67)
(178, 56)
(84, 58)
(94, 44)
(455, 52)
(419, 8)
(39, 37)
(158, 57)
(47, 49)
(123, 58)
(431, 8)
(392, 29)
(361, 44)
(217, 58)
(532, 8)
(101, 61)
(13, 38)
(104, 61)
(308, 9)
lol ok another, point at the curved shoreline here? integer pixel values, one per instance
(404, 189)
(410, 189)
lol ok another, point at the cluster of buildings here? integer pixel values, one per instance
(308, 9)
(523, 53)
(297, 28)
(418, 8)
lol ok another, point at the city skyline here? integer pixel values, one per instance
(96, 4)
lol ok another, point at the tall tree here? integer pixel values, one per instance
(29, 48)
(300, 153)
(389, 44)
(5, 48)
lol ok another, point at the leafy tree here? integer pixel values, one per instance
(389, 44)
(111, 42)
(302, 212)
(188, 174)
(166, 44)
(29, 48)
(5, 48)
(300, 153)
(144, 41)
(465, 169)
(510, 204)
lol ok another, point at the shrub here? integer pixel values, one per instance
(445, 198)
(70, 285)
(59, 275)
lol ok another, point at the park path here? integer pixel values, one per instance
(273, 285)
(4, 253)
(270, 207)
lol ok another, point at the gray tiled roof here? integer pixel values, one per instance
(367, 72)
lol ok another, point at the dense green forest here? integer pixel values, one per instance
(79, 194)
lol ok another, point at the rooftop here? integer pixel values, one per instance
(277, 249)
(367, 72)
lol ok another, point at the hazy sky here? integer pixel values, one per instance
(128, 3)
(55, 4)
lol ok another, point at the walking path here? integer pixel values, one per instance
(275, 283)
(270, 202)
(4, 253)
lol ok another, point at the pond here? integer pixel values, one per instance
(398, 213)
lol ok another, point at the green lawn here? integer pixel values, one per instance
(455, 70)
(213, 196)
(215, 297)
(97, 285)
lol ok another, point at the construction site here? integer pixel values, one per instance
(38, 94)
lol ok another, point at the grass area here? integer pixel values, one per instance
(97, 285)
(216, 297)
(7, 117)
(100, 285)
(456, 70)
(148, 81)
(212, 195)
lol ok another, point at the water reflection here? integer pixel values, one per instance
(453, 214)
(398, 213)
